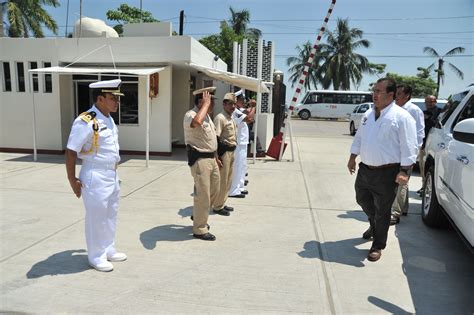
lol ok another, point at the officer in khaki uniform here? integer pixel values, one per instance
(94, 140)
(227, 142)
(201, 145)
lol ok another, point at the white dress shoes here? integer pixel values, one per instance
(103, 266)
(117, 257)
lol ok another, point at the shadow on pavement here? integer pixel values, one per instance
(387, 306)
(342, 252)
(358, 215)
(186, 212)
(168, 233)
(63, 263)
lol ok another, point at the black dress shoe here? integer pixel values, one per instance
(246, 174)
(228, 208)
(223, 212)
(244, 192)
(246, 182)
(394, 220)
(205, 237)
(208, 226)
(374, 254)
(420, 191)
(404, 214)
(237, 196)
(368, 234)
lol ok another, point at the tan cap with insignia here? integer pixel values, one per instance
(210, 89)
(230, 97)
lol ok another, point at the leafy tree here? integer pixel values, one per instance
(421, 86)
(28, 16)
(297, 64)
(423, 73)
(238, 22)
(126, 14)
(221, 44)
(342, 65)
(233, 30)
(440, 69)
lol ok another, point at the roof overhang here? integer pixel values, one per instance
(98, 70)
(242, 81)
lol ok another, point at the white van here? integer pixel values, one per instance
(330, 104)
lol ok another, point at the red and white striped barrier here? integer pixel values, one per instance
(275, 150)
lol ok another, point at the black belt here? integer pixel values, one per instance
(223, 148)
(194, 155)
(370, 167)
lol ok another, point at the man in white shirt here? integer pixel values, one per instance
(241, 118)
(94, 140)
(386, 143)
(402, 99)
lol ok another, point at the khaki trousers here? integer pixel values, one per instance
(206, 187)
(400, 204)
(226, 179)
(421, 156)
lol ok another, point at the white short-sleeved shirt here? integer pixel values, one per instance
(81, 139)
(390, 139)
(242, 128)
(419, 117)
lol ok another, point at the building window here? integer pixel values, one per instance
(20, 75)
(48, 82)
(7, 78)
(34, 65)
(129, 103)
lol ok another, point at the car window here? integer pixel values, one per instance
(467, 112)
(453, 104)
(311, 99)
(355, 109)
(363, 108)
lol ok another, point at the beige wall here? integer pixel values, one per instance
(66, 107)
(182, 100)
(133, 137)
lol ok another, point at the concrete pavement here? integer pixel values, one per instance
(292, 246)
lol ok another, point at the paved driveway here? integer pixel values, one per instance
(293, 246)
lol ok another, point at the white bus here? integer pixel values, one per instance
(330, 104)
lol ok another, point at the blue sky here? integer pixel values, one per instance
(398, 30)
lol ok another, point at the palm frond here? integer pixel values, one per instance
(456, 70)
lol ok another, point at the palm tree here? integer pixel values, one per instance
(440, 70)
(342, 65)
(297, 64)
(28, 16)
(238, 22)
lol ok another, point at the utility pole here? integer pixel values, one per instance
(141, 12)
(181, 22)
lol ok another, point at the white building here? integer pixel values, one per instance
(59, 98)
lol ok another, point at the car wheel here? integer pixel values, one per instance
(431, 212)
(305, 114)
(352, 129)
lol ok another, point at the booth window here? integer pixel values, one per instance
(7, 78)
(48, 81)
(34, 65)
(20, 74)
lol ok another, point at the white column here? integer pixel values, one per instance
(147, 154)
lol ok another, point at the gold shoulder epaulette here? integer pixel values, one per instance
(88, 116)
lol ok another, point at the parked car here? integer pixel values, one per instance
(356, 116)
(449, 169)
(420, 102)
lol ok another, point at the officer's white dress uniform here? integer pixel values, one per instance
(100, 191)
(240, 156)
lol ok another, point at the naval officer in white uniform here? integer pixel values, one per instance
(94, 140)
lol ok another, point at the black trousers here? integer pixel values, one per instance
(376, 190)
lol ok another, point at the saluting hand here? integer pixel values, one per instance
(76, 186)
(206, 98)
